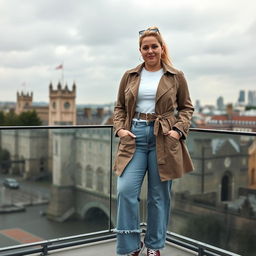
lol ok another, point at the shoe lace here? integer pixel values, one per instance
(152, 252)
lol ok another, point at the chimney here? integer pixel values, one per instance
(100, 112)
(88, 113)
(229, 110)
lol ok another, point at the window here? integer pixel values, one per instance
(226, 188)
(67, 105)
(89, 177)
(78, 176)
(100, 180)
(42, 161)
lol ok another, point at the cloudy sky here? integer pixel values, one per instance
(212, 42)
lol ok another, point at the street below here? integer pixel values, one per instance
(32, 224)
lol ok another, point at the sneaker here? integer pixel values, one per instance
(139, 252)
(151, 252)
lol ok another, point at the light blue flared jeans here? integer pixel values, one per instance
(129, 187)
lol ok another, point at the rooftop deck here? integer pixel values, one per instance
(103, 243)
(108, 248)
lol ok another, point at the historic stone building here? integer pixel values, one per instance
(24, 102)
(29, 152)
(221, 167)
(61, 109)
(81, 176)
(62, 105)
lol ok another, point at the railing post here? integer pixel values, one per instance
(44, 250)
(110, 178)
(200, 251)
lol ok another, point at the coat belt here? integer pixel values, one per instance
(161, 122)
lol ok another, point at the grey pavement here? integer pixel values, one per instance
(29, 193)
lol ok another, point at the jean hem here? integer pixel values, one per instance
(127, 231)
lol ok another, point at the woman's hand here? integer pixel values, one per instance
(174, 134)
(122, 132)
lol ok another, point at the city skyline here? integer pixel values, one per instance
(96, 42)
(248, 98)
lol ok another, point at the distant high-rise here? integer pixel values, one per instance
(197, 106)
(252, 98)
(241, 98)
(220, 103)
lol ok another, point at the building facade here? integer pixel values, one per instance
(62, 105)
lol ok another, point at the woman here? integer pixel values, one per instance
(152, 118)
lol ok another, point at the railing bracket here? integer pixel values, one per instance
(44, 250)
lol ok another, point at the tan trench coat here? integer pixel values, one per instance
(172, 96)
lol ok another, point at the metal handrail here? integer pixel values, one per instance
(200, 247)
(222, 131)
(33, 127)
(111, 126)
(45, 246)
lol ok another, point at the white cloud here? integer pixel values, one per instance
(213, 42)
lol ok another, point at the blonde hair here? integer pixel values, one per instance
(151, 31)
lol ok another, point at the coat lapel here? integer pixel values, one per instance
(134, 84)
(163, 87)
(134, 87)
(164, 83)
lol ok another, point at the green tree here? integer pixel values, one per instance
(250, 107)
(11, 119)
(1, 118)
(29, 118)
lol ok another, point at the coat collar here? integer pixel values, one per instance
(163, 85)
(166, 69)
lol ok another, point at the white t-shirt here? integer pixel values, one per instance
(147, 90)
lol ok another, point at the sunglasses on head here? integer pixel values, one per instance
(149, 29)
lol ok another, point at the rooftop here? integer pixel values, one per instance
(103, 243)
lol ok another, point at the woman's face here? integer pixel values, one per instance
(151, 52)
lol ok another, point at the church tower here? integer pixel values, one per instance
(24, 102)
(62, 105)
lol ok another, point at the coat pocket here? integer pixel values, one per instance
(124, 154)
(172, 143)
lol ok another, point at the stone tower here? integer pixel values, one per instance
(24, 102)
(62, 105)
